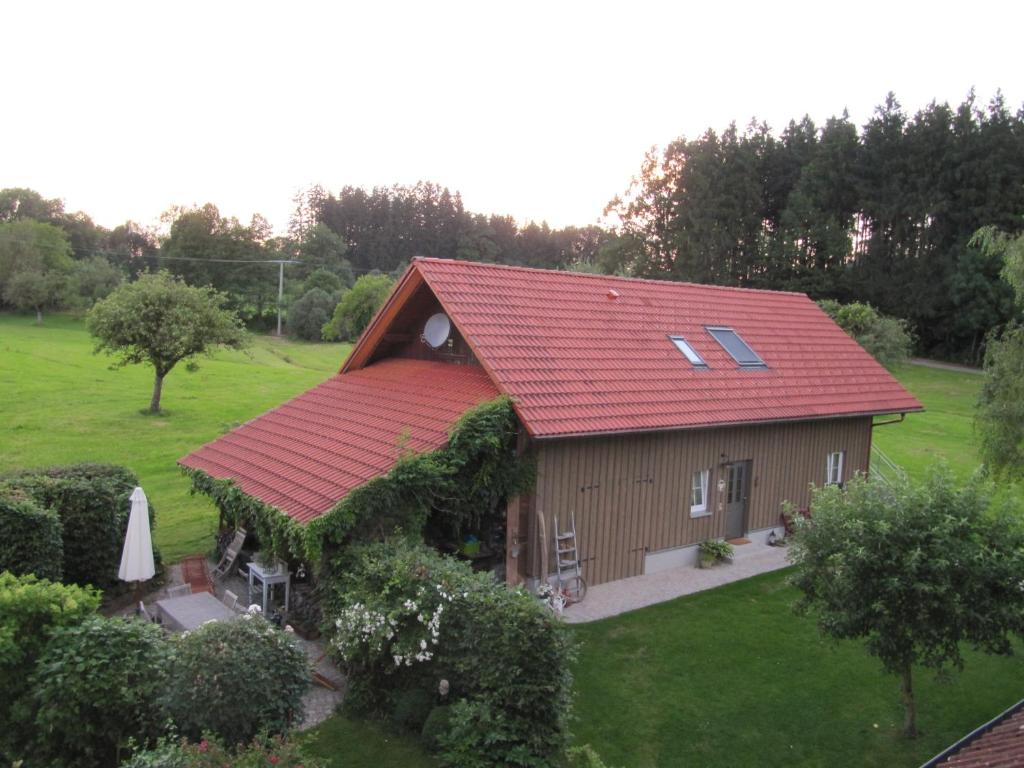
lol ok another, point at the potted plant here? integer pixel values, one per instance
(267, 561)
(713, 551)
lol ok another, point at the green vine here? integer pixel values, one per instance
(454, 485)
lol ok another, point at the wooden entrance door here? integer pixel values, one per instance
(736, 493)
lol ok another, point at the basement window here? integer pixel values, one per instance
(737, 348)
(688, 352)
(699, 493)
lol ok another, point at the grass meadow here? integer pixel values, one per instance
(728, 677)
(61, 404)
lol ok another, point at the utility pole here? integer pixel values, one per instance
(280, 286)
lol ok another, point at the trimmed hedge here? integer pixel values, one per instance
(404, 619)
(93, 503)
(31, 539)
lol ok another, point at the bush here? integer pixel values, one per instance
(30, 609)
(404, 618)
(326, 281)
(92, 501)
(210, 753)
(885, 338)
(236, 679)
(96, 686)
(31, 541)
(437, 724)
(306, 317)
(357, 307)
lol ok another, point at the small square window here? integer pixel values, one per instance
(699, 493)
(834, 468)
(688, 352)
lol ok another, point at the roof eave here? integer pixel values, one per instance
(716, 425)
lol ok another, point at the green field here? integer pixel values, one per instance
(728, 677)
(731, 677)
(944, 431)
(59, 404)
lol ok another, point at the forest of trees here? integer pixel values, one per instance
(882, 214)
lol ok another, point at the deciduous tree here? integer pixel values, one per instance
(915, 571)
(161, 320)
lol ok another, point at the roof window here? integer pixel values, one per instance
(736, 347)
(688, 352)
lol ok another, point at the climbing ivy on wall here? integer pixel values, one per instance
(454, 486)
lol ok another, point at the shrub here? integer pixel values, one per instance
(357, 307)
(210, 753)
(236, 679)
(326, 281)
(306, 317)
(92, 501)
(404, 618)
(30, 609)
(437, 724)
(96, 686)
(885, 338)
(31, 541)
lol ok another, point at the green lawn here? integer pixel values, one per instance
(348, 743)
(59, 403)
(731, 677)
(944, 431)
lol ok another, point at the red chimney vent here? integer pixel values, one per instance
(613, 294)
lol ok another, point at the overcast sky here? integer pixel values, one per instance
(538, 110)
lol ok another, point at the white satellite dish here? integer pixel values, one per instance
(437, 329)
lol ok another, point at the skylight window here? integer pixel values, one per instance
(688, 352)
(737, 348)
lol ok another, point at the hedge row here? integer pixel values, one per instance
(32, 538)
(92, 502)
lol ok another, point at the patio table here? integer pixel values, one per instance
(191, 611)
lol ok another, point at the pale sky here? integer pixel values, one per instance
(539, 110)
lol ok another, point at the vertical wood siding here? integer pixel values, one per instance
(631, 493)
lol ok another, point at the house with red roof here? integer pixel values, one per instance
(659, 414)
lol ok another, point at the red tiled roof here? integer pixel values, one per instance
(578, 361)
(306, 455)
(997, 744)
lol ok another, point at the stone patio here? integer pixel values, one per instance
(613, 598)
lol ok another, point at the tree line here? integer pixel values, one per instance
(884, 214)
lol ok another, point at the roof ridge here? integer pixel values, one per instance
(592, 276)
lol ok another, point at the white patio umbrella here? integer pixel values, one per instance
(137, 556)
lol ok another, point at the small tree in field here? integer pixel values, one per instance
(161, 320)
(915, 571)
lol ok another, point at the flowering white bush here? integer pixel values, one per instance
(407, 633)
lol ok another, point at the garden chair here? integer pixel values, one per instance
(180, 590)
(230, 599)
(227, 562)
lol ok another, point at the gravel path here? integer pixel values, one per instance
(617, 597)
(947, 366)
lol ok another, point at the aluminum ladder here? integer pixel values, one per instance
(567, 558)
